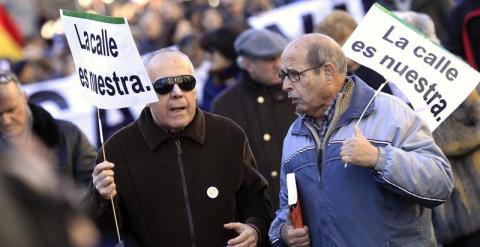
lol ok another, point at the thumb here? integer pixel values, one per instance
(357, 132)
(289, 219)
(233, 226)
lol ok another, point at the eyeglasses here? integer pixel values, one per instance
(165, 85)
(6, 77)
(293, 75)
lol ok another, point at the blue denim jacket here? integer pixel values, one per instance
(389, 205)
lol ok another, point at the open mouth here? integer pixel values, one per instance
(178, 109)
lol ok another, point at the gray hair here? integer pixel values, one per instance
(319, 53)
(7, 77)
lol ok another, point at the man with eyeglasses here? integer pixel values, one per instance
(20, 121)
(180, 176)
(258, 104)
(367, 183)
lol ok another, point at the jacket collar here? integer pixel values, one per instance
(361, 95)
(155, 135)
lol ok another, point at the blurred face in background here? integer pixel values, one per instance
(182, 29)
(171, 11)
(212, 19)
(151, 25)
(263, 70)
(29, 73)
(194, 52)
(218, 62)
(13, 109)
(235, 7)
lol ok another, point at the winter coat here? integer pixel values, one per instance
(180, 189)
(265, 113)
(459, 138)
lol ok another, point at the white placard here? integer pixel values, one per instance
(109, 69)
(434, 81)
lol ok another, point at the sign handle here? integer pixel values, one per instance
(366, 107)
(120, 243)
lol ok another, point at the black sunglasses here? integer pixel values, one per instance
(165, 85)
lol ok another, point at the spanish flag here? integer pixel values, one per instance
(11, 40)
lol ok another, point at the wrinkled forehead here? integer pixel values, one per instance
(169, 64)
(10, 91)
(293, 56)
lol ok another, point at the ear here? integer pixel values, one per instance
(242, 62)
(330, 71)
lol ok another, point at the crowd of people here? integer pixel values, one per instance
(238, 109)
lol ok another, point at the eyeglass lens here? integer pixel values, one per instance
(165, 85)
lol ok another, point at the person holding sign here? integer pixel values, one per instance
(180, 176)
(395, 174)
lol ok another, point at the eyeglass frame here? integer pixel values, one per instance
(7, 76)
(282, 75)
(169, 83)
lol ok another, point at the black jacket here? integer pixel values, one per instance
(265, 113)
(75, 155)
(163, 179)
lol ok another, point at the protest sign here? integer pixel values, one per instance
(434, 81)
(110, 71)
(61, 99)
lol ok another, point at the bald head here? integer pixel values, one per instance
(319, 48)
(313, 68)
(167, 61)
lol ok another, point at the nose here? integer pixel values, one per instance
(176, 91)
(287, 85)
(4, 119)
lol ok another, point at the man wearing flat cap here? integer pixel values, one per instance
(257, 103)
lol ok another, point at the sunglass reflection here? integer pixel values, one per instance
(165, 85)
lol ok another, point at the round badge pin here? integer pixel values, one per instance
(212, 192)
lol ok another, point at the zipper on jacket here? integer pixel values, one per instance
(185, 192)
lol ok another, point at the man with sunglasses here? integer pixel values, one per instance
(20, 121)
(258, 104)
(180, 176)
(367, 183)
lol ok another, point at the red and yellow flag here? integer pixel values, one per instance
(11, 40)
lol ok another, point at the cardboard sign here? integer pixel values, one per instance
(434, 81)
(110, 71)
